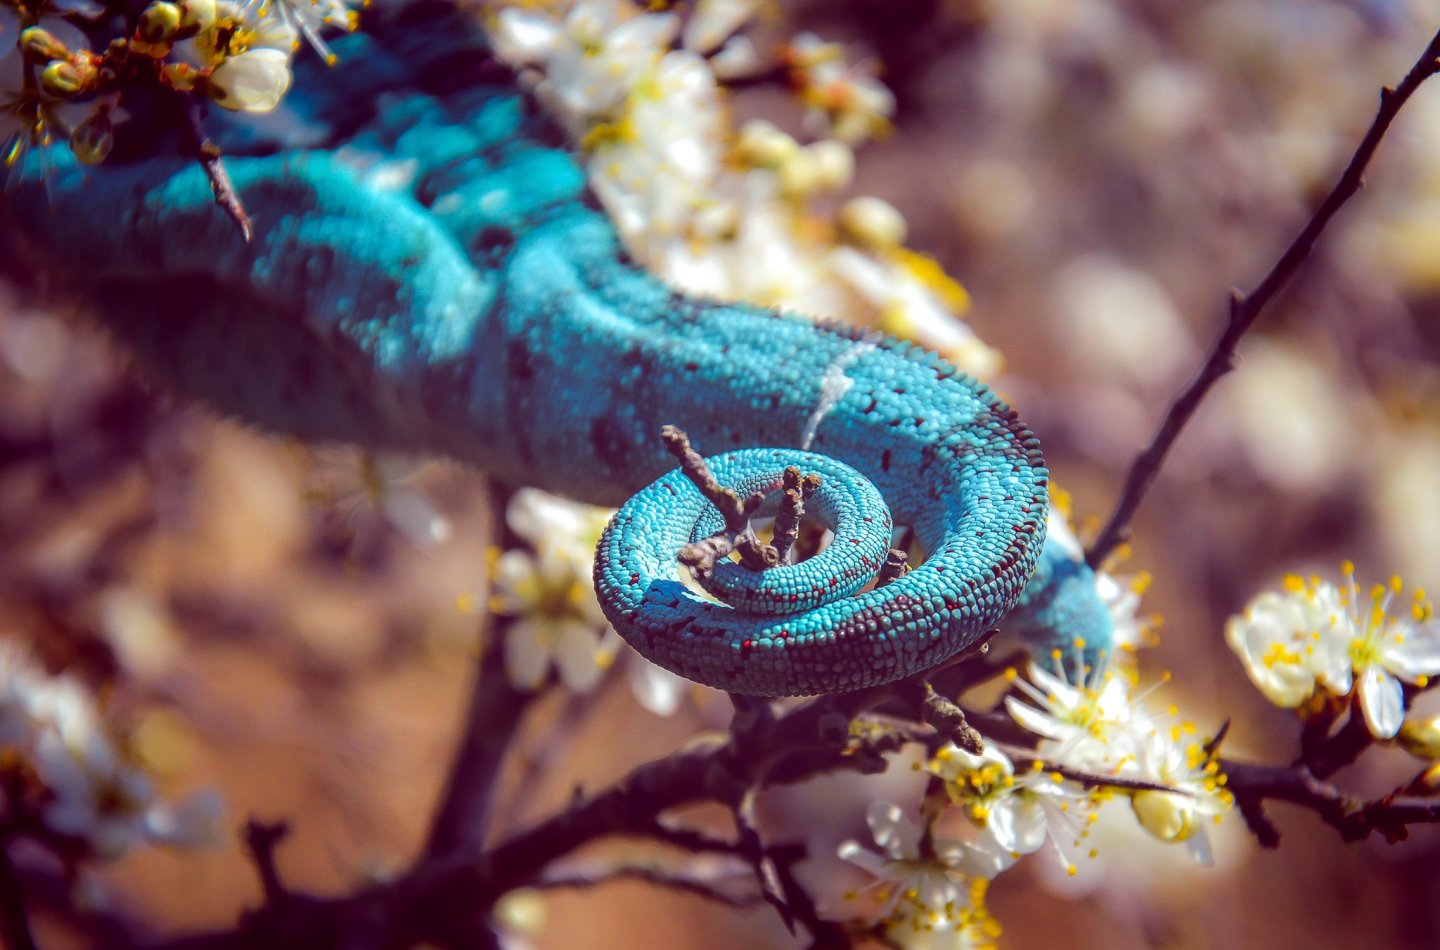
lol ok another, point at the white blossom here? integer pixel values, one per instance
(1198, 795)
(1320, 633)
(712, 22)
(1090, 722)
(916, 300)
(549, 522)
(558, 621)
(253, 81)
(89, 790)
(1015, 815)
(309, 18)
(924, 901)
(655, 688)
(844, 100)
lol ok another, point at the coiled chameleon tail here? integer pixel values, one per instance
(802, 628)
(428, 272)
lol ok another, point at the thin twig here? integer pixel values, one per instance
(896, 563)
(798, 490)
(495, 711)
(1246, 308)
(948, 720)
(261, 840)
(690, 883)
(752, 847)
(739, 535)
(208, 154)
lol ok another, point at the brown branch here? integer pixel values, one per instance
(739, 535)
(261, 840)
(494, 714)
(798, 490)
(14, 918)
(496, 709)
(1355, 819)
(896, 562)
(208, 154)
(1246, 308)
(704, 886)
(948, 719)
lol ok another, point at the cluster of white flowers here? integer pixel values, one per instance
(237, 53)
(735, 214)
(66, 776)
(924, 900)
(1091, 725)
(1316, 640)
(1090, 720)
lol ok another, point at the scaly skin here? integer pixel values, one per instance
(430, 274)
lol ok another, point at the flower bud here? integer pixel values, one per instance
(62, 79)
(871, 223)
(1421, 738)
(253, 81)
(159, 23)
(1166, 815)
(800, 175)
(762, 145)
(834, 162)
(41, 45)
(196, 16)
(93, 138)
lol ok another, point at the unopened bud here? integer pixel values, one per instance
(196, 16)
(62, 79)
(41, 46)
(834, 163)
(159, 22)
(1421, 738)
(872, 223)
(762, 145)
(800, 175)
(1166, 815)
(93, 138)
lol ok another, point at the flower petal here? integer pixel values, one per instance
(1382, 700)
(577, 655)
(527, 659)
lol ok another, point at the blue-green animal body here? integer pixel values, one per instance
(428, 272)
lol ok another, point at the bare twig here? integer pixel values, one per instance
(1246, 308)
(894, 567)
(752, 846)
(949, 720)
(261, 840)
(706, 886)
(798, 490)
(207, 153)
(740, 535)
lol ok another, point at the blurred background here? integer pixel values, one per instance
(1097, 175)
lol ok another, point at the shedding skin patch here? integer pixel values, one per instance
(834, 384)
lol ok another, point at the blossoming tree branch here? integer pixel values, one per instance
(1020, 746)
